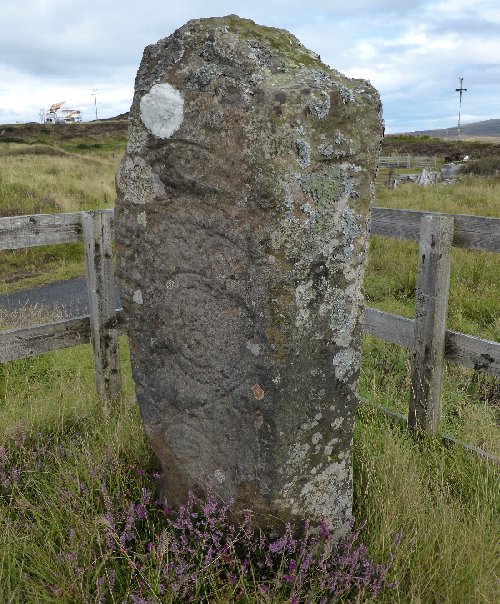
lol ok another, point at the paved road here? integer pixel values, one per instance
(70, 296)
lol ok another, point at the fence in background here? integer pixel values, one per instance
(392, 168)
(407, 161)
(426, 335)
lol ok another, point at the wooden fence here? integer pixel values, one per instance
(407, 161)
(426, 335)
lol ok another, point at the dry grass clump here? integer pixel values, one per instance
(29, 315)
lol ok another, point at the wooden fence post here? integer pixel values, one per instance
(97, 237)
(433, 284)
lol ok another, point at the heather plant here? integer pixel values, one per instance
(204, 555)
(139, 550)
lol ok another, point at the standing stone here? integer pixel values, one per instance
(243, 202)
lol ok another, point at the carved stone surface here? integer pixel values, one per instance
(243, 201)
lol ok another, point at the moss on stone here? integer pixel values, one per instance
(285, 45)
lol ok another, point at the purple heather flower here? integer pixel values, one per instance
(324, 531)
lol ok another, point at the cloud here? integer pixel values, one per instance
(413, 52)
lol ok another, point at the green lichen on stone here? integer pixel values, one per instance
(285, 45)
(326, 187)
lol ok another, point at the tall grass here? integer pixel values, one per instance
(32, 182)
(67, 462)
(43, 179)
(470, 195)
(444, 501)
(469, 399)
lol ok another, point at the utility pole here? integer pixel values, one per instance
(460, 90)
(94, 94)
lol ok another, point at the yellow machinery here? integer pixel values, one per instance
(56, 115)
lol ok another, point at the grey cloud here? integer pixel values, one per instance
(88, 34)
(100, 42)
(471, 26)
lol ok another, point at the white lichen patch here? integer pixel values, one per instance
(137, 181)
(319, 105)
(316, 437)
(307, 426)
(137, 137)
(342, 308)
(297, 454)
(337, 423)
(304, 153)
(304, 293)
(328, 493)
(219, 476)
(141, 219)
(329, 446)
(162, 110)
(137, 297)
(253, 348)
(346, 363)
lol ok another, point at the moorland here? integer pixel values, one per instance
(74, 473)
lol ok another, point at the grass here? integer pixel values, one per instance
(53, 176)
(469, 399)
(64, 456)
(444, 502)
(63, 453)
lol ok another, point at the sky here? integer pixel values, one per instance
(412, 51)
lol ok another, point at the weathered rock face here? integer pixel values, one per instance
(242, 210)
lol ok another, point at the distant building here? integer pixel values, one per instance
(56, 114)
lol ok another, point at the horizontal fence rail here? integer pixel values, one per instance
(41, 229)
(104, 322)
(466, 350)
(473, 232)
(17, 232)
(406, 161)
(27, 342)
(460, 348)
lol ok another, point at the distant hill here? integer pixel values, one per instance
(100, 133)
(486, 128)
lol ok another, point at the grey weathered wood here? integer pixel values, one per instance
(406, 161)
(97, 237)
(39, 229)
(466, 350)
(388, 327)
(25, 342)
(31, 341)
(469, 231)
(473, 232)
(433, 284)
(469, 351)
